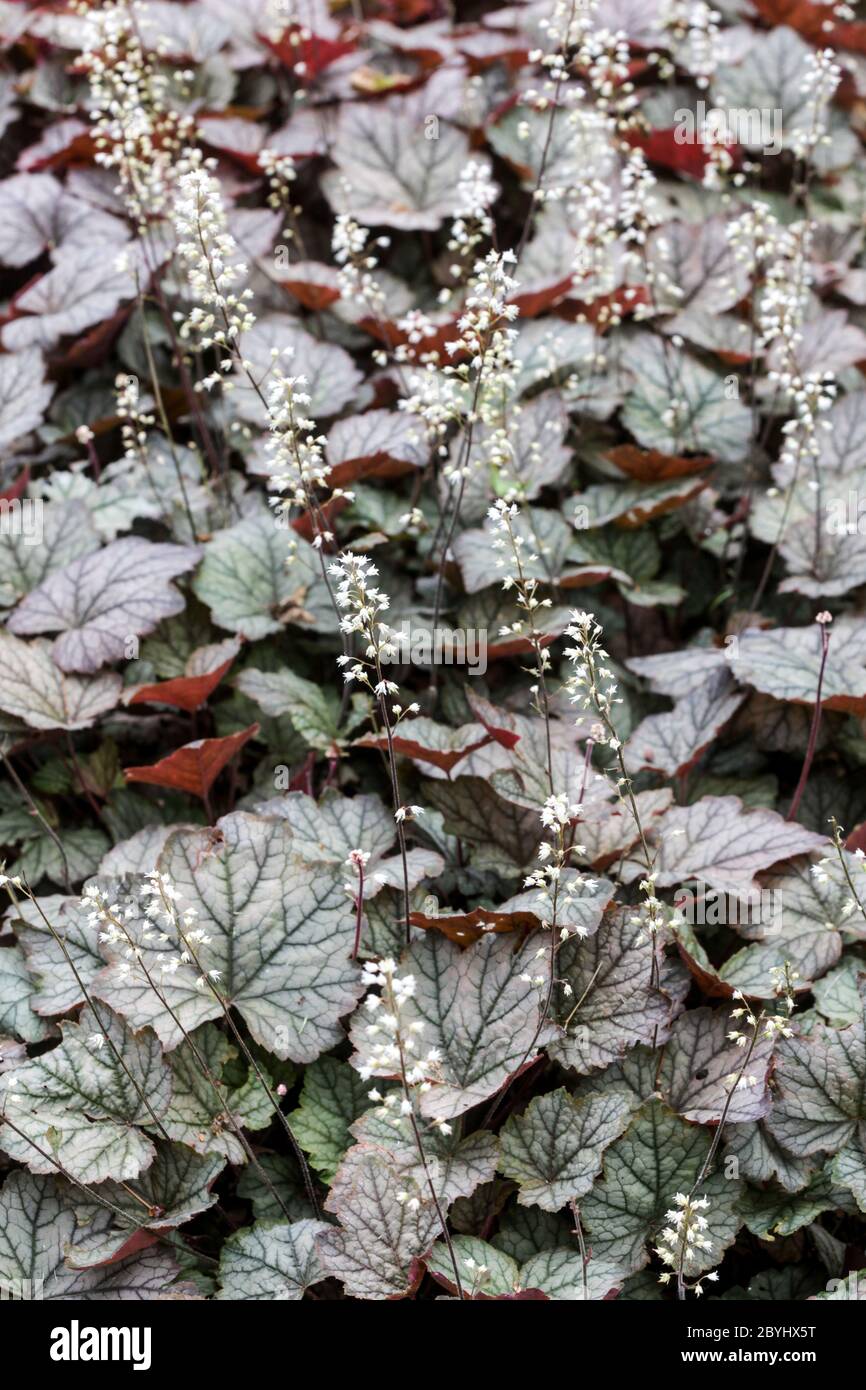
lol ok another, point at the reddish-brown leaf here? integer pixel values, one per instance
(91, 349)
(650, 466)
(661, 147)
(443, 758)
(466, 927)
(66, 142)
(303, 524)
(642, 512)
(314, 52)
(708, 981)
(534, 302)
(814, 23)
(195, 767)
(498, 723)
(857, 839)
(313, 296)
(183, 692)
(517, 646)
(16, 490)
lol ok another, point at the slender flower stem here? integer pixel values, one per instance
(543, 1016)
(80, 778)
(35, 810)
(578, 1231)
(218, 470)
(359, 910)
(91, 1193)
(91, 1002)
(840, 850)
(706, 1166)
(163, 415)
(200, 1061)
(720, 1127)
(816, 721)
(260, 1075)
(563, 853)
(548, 140)
(419, 1144)
(398, 805)
(232, 348)
(366, 602)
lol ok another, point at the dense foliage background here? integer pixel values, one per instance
(381, 924)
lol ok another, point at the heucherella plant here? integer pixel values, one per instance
(433, 687)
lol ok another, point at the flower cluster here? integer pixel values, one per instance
(820, 79)
(221, 312)
(476, 193)
(393, 1048)
(592, 686)
(477, 386)
(639, 214)
(298, 465)
(749, 1025)
(557, 885)
(784, 980)
(363, 602)
(510, 544)
(136, 422)
(594, 270)
(693, 26)
(685, 1237)
(650, 916)
(780, 258)
(353, 253)
(484, 335)
(169, 934)
(280, 171)
(139, 129)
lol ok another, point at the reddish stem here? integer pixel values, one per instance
(94, 460)
(359, 912)
(813, 732)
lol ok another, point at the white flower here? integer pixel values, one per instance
(139, 127)
(221, 313)
(684, 1238)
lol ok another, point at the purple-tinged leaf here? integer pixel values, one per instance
(100, 601)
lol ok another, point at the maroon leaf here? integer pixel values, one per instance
(651, 466)
(499, 724)
(467, 927)
(16, 490)
(184, 692)
(195, 767)
(428, 742)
